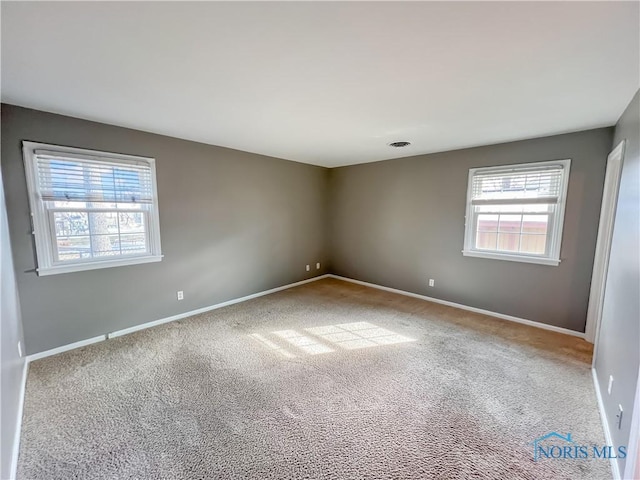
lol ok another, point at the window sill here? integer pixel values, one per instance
(511, 258)
(79, 267)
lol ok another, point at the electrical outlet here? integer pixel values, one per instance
(308, 268)
(318, 266)
(610, 384)
(180, 295)
(19, 348)
(432, 282)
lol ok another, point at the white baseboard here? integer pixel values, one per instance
(16, 439)
(135, 328)
(154, 323)
(502, 316)
(100, 338)
(173, 318)
(605, 425)
(65, 348)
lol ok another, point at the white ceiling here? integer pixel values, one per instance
(322, 82)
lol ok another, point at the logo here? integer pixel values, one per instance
(557, 446)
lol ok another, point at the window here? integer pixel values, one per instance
(91, 209)
(516, 212)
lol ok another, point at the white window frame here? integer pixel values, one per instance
(554, 236)
(43, 229)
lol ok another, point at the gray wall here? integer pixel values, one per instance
(10, 334)
(398, 223)
(618, 346)
(231, 223)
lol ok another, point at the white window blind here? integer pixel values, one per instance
(517, 186)
(81, 179)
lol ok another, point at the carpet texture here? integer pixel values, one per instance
(328, 380)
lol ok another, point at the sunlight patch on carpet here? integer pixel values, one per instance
(351, 336)
(272, 346)
(303, 342)
(319, 340)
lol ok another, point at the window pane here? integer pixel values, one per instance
(509, 242)
(131, 222)
(533, 244)
(535, 224)
(487, 223)
(105, 245)
(486, 240)
(90, 235)
(504, 228)
(510, 223)
(133, 243)
(103, 223)
(71, 223)
(73, 248)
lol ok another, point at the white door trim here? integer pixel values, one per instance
(632, 465)
(603, 243)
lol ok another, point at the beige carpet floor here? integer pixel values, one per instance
(328, 380)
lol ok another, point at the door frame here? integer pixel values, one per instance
(632, 465)
(603, 243)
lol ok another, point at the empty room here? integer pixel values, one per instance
(320, 240)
